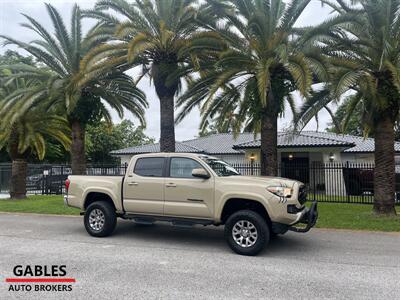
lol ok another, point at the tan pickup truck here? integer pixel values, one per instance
(191, 189)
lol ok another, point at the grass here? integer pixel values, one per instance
(354, 216)
(53, 205)
(331, 215)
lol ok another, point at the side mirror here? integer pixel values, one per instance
(200, 173)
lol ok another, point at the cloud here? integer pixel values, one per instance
(10, 18)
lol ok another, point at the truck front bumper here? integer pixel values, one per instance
(309, 218)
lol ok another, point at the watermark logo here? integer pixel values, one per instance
(40, 278)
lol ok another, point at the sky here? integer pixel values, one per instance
(10, 18)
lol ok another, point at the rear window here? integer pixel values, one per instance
(150, 166)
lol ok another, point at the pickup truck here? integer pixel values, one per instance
(189, 189)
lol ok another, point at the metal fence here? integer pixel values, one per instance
(327, 182)
(50, 179)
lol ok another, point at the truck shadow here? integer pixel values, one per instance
(209, 238)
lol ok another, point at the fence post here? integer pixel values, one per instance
(346, 186)
(43, 179)
(313, 165)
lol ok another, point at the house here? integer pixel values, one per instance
(307, 147)
(321, 160)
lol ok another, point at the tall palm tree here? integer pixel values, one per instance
(363, 44)
(25, 134)
(255, 72)
(75, 83)
(156, 35)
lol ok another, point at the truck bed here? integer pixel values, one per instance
(83, 185)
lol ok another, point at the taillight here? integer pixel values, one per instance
(67, 182)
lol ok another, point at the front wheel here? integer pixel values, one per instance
(246, 232)
(100, 219)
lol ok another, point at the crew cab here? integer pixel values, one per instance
(189, 189)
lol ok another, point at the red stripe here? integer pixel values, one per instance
(40, 280)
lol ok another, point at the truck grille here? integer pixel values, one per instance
(302, 197)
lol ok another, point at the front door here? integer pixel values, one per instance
(185, 195)
(143, 191)
(296, 168)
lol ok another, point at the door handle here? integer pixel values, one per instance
(133, 183)
(170, 185)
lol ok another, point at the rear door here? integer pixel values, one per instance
(185, 195)
(143, 191)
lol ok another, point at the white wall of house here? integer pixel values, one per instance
(358, 157)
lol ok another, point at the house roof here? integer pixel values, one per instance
(226, 143)
(290, 140)
(150, 148)
(361, 145)
(221, 143)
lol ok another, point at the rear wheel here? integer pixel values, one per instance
(246, 232)
(100, 219)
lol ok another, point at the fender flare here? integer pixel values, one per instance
(245, 196)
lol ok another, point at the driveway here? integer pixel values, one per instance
(162, 261)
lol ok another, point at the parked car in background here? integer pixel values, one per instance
(50, 181)
(360, 181)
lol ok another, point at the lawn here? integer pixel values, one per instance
(38, 204)
(354, 216)
(331, 215)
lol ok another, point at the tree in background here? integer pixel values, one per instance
(354, 125)
(74, 83)
(25, 134)
(258, 68)
(363, 44)
(210, 130)
(155, 35)
(103, 138)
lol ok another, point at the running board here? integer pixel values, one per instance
(181, 222)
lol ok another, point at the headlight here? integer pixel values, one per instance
(280, 191)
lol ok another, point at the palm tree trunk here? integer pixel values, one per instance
(19, 167)
(384, 174)
(78, 159)
(167, 125)
(18, 179)
(269, 144)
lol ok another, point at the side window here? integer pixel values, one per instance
(183, 167)
(150, 166)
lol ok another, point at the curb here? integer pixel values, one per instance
(38, 214)
(357, 230)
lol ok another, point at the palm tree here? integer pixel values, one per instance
(363, 44)
(77, 84)
(255, 72)
(156, 35)
(25, 134)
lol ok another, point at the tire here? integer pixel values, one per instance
(106, 222)
(255, 243)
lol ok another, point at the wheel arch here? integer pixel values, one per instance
(235, 204)
(92, 197)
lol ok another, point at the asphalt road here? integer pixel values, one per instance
(165, 262)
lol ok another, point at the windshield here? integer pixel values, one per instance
(220, 167)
